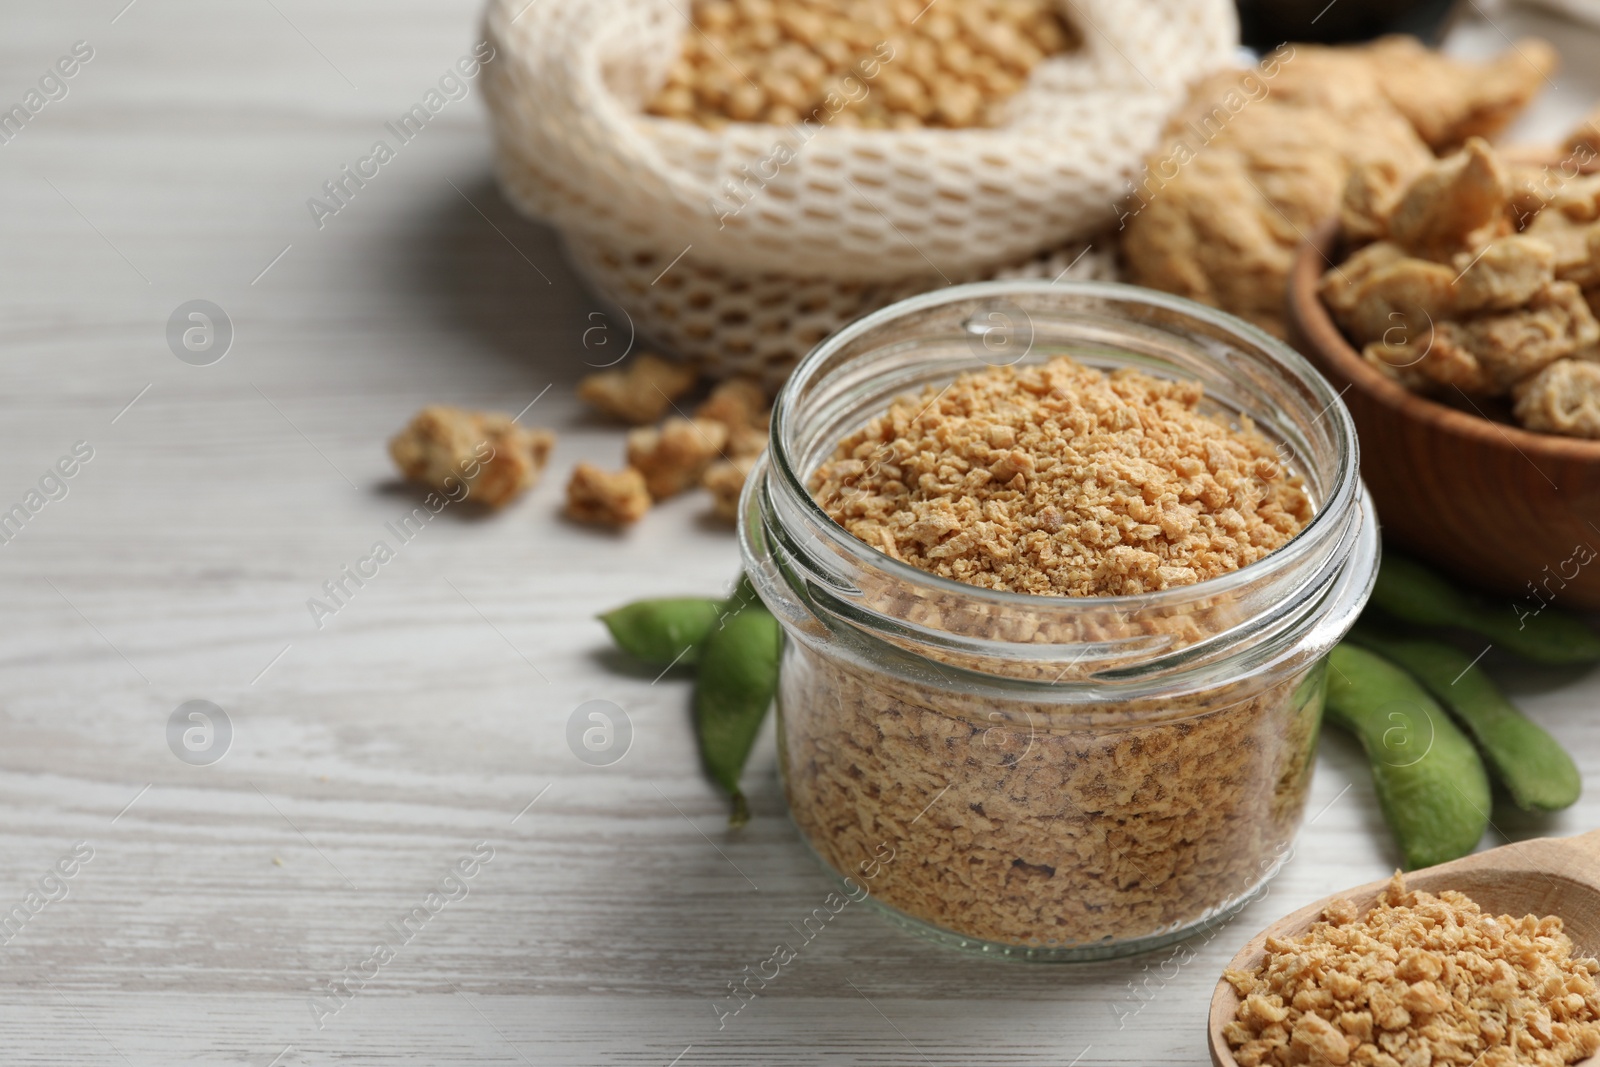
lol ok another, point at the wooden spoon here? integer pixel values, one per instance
(1545, 876)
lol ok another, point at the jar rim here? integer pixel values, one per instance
(1241, 630)
(1345, 488)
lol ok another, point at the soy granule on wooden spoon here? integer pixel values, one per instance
(1418, 980)
(1060, 479)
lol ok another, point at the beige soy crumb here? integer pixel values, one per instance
(606, 498)
(736, 402)
(741, 406)
(1481, 278)
(716, 449)
(639, 393)
(1134, 820)
(673, 456)
(870, 63)
(1220, 207)
(1562, 398)
(725, 481)
(1059, 479)
(1420, 979)
(443, 447)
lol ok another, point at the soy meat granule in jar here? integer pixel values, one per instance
(1060, 479)
(1115, 820)
(1418, 979)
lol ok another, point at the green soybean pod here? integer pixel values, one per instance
(664, 631)
(1413, 593)
(738, 678)
(1535, 770)
(1430, 782)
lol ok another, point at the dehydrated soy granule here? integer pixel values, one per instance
(1419, 979)
(1019, 821)
(1061, 479)
(1130, 821)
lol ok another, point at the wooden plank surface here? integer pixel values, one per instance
(411, 731)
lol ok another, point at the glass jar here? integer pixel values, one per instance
(1041, 776)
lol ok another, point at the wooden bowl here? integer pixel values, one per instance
(1498, 506)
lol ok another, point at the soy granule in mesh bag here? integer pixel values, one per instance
(870, 63)
(1420, 979)
(1061, 479)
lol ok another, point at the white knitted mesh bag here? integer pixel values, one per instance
(742, 247)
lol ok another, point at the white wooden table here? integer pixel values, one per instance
(429, 715)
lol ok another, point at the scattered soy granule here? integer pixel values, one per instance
(445, 447)
(606, 498)
(1060, 479)
(639, 393)
(1418, 980)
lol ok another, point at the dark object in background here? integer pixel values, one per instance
(1265, 24)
